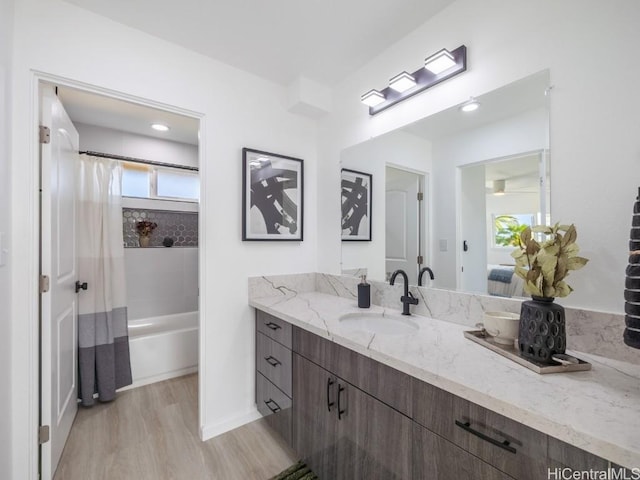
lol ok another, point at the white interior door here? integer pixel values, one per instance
(473, 276)
(402, 224)
(58, 358)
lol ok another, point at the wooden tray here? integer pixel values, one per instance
(509, 351)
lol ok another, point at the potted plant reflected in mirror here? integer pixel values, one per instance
(544, 265)
(145, 228)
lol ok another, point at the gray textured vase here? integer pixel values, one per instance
(542, 329)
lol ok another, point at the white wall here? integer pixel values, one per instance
(116, 142)
(593, 137)
(397, 148)
(239, 110)
(6, 32)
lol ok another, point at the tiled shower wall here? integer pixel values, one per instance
(182, 227)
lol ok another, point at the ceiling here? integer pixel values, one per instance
(521, 174)
(280, 40)
(107, 112)
(510, 100)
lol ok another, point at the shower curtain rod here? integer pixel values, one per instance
(138, 160)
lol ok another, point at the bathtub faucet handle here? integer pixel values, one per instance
(81, 286)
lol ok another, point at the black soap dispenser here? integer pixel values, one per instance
(364, 293)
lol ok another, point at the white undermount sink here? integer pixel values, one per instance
(384, 323)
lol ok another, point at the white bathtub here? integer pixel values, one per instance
(163, 347)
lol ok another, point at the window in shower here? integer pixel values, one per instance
(162, 183)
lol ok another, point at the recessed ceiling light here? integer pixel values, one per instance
(372, 98)
(470, 105)
(439, 62)
(402, 82)
(160, 127)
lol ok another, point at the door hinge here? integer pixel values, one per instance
(45, 134)
(44, 283)
(420, 196)
(43, 434)
(420, 259)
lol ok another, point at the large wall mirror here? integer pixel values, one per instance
(451, 191)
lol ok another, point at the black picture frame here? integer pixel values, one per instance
(356, 202)
(272, 196)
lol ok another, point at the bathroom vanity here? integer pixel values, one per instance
(430, 404)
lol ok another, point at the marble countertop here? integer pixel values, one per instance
(597, 410)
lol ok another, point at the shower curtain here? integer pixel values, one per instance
(103, 355)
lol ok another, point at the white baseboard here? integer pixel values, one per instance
(208, 432)
(159, 378)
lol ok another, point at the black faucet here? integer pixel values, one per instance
(424, 269)
(408, 298)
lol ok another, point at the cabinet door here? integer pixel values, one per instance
(435, 458)
(382, 382)
(374, 440)
(315, 417)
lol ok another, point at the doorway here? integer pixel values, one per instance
(498, 199)
(114, 127)
(406, 220)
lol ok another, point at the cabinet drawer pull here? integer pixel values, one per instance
(505, 445)
(340, 411)
(275, 409)
(274, 362)
(329, 402)
(273, 326)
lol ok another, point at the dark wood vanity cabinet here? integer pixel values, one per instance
(344, 433)
(273, 373)
(350, 417)
(506, 445)
(438, 459)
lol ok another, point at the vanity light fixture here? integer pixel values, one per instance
(498, 187)
(160, 127)
(470, 105)
(372, 98)
(439, 62)
(402, 82)
(437, 68)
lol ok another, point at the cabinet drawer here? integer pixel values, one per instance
(275, 406)
(273, 360)
(438, 459)
(274, 328)
(508, 445)
(382, 382)
(563, 455)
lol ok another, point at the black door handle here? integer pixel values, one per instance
(273, 326)
(274, 362)
(340, 411)
(329, 402)
(81, 286)
(505, 445)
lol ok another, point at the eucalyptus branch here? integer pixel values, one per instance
(544, 266)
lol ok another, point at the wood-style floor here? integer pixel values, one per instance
(151, 433)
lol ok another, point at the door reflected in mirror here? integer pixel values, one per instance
(499, 199)
(456, 159)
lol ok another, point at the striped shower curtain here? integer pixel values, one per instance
(103, 355)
